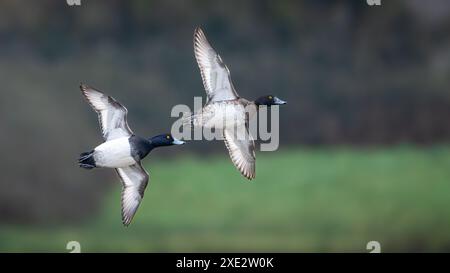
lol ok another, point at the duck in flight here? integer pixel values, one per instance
(224, 108)
(122, 150)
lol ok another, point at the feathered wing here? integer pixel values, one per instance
(111, 114)
(134, 181)
(215, 74)
(241, 147)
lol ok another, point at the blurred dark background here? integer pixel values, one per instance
(354, 75)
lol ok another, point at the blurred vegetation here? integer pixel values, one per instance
(302, 200)
(352, 74)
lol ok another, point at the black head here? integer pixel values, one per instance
(269, 100)
(165, 140)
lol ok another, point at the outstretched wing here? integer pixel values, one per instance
(241, 148)
(215, 74)
(134, 181)
(111, 114)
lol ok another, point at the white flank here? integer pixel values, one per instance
(114, 154)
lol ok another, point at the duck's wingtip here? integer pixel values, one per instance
(126, 222)
(83, 86)
(198, 31)
(250, 176)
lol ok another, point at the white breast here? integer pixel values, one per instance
(114, 154)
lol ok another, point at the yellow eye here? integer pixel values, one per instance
(270, 97)
(168, 137)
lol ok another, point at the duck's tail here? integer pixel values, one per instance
(87, 160)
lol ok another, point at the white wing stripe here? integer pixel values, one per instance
(134, 179)
(215, 75)
(242, 151)
(112, 115)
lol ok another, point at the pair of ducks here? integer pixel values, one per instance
(123, 150)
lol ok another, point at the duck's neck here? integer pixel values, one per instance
(154, 143)
(258, 102)
(151, 145)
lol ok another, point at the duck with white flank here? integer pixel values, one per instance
(224, 108)
(122, 150)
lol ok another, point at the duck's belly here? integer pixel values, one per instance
(114, 154)
(223, 114)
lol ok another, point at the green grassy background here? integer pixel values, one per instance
(321, 200)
